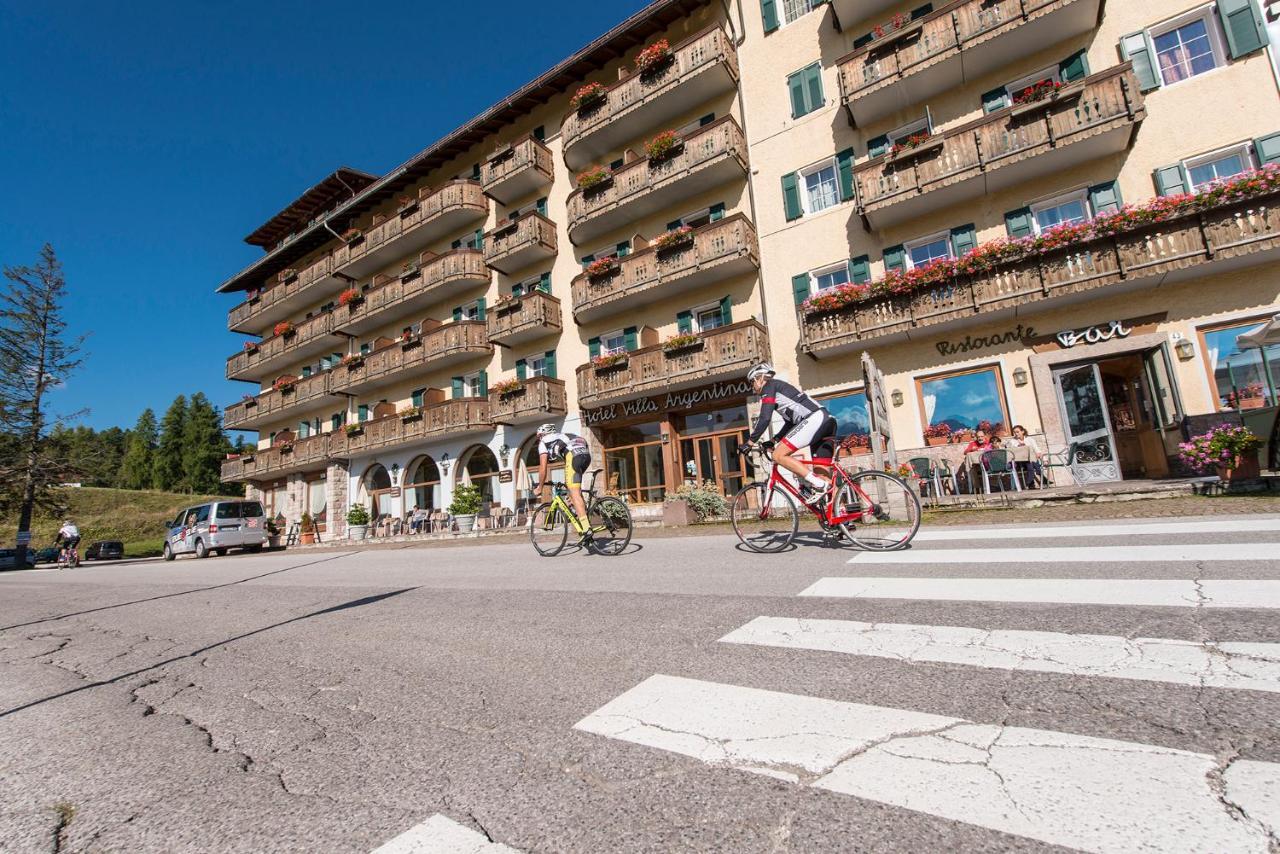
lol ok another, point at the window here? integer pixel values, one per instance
(820, 188)
(472, 385)
(851, 412)
(708, 318)
(805, 87)
(964, 401)
(536, 366)
(614, 342)
(1187, 47)
(1240, 379)
(1064, 210)
(829, 277)
(1218, 165)
(794, 10)
(921, 252)
(469, 312)
(923, 125)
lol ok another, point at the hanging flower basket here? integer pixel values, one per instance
(352, 235)
(352, 360)
(676, 238)
(284, 385)
(588, 96)
(602, 267)
(608, 361)
(284, 327)
(1037, 92)
(664, 146)
(353, 429)
(507, 388)
(593, 178)
(410, 413)
(350, 297)
(680, 343)
(653, 58)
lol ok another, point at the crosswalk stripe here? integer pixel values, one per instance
(1215, 593)
(1249, 666)
(1079, 791)
(1207, 526)
(442, 835)
(1165, 553)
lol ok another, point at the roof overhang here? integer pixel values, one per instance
(341, 184)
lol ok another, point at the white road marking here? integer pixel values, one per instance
(1207, 526)
(1078, 554)
(1097, 794)
(1249, 666)
(1220, 593)
(441, 835)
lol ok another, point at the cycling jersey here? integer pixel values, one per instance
(557, 446)
(790, 402)
(69, 532)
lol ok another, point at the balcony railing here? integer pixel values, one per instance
(857, 12)
(300, 455)
(444, 345)
(701, 67)
(714, 252)
(516, 244)
(312, 336)
(518, 169)
(724, 352)
(532, 315)
(1246, 233)
(1084, 121)
(452, 417)
(961, 41)
(402, 295)
(536, 399)
(708, 156)
(276, 404)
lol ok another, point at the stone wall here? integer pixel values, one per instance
(336, 499)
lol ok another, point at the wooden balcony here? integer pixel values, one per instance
(392, 298)
(709, 156)
(1240, 235)
(275, 405)
(447, 344)
(1089, 119)
(537, 399)
(311, 454)
(701, 67)
(275, 354)
(956, 44)
(517, 243)
(854, 13)
(516, 170)
(716, 252)
(527, 317)
(722, 353)
(437, 421)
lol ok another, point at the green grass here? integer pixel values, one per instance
(135, 517)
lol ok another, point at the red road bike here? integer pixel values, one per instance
(874, 510)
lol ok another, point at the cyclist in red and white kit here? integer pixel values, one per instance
(808, 422)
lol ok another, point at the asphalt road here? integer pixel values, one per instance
(1110, 689)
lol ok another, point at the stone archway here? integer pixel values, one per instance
(422, 484)
(478, 465)
(375, 490)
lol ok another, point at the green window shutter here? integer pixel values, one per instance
(479, 244)
(587, 259)
(769, 11)
(844, 166)
(684, 322)
(1105, 197)
(791, 196)
(416, 397)
(1074, 67)
(335, 422)
(593, 347)
(1171, 180)
(860, 269)
(1243, 25)
(674, 224)
(1018, 223)
(895, 257)
(1267, 149)
(484, 383)
(878, 146)
(717, 212)
(362, 413)
(304, 429)
(365, 348)
(457, 387)
(963, 239)
(726, 310)
(864, 39)
(517, 290)
(632, 335)
(479, 308)
(813, 82)
(457, 313)
(475, 171)
(549, 362)
(922, 11)
(1136, 48)
(800, 287)
(996, 99)
(542, 206)
(795, 85)
(306, 371)
(706, 120)
(521, 369)
(623, 249)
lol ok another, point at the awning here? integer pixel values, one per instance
(1264, 336)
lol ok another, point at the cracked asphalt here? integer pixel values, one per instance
(332, 700)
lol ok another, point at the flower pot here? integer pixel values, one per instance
(307, 537)
(466, 522)
(934, 441)
(273, 541)
(358, 532)
(1252, 403)
(678, 513)
(1244, 468)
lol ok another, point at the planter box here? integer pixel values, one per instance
(678, 513)
(935, 441)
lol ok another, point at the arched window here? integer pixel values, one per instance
(481, 470)
(422, 485)
(376, 486)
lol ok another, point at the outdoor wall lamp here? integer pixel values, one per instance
(503, 453)
(395, 473)
(444, 463)
(1020, 376)
(896, 397)
(1186, 350)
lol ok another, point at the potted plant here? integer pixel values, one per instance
(272, 527)
(284, 385)
(284, 327)
(307, 530)
(248, 400)
(676, 238)
(355, 428)
(349, 297)
(410, 413)
(464, 506)
(593, 177)
(607, 361)
(506, 388)
(910, 143)
(409, 269)
(288, 273)
(937, 434)
(352, 360)
(352, 235)
(663, 146)
(653, 57)
(251, 346)
(358, 522)
(588, 96)
(1231, 451)
(693, 502)
(602, 267)
(683, 341)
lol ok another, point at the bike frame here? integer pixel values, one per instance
(558, 502)
(776, 480)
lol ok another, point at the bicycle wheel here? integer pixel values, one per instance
(610, 521)
(886, 510)
(765, 525)
(548, 529)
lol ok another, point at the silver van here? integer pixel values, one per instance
(216, 527)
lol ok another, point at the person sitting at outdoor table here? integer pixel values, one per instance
(981, 442)
(973, 452)
(417, 519)
(1030, 472)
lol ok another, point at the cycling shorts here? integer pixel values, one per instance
(812, 429)
(576, 468)
(70, 542)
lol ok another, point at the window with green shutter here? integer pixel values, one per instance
(1242, 22)
(1018, 223)
(549, 364)
(996, 99)
(805, 87)
(593, 347)
(1074, 67)
(544, 282)
(1171, 180)
(1105, 197)
(484, 384)
(458, 385)
(521, 369)
(1267, 149)
(726, 310)
(335, 421)
(963, 239)
(769, 13)
(791, 196)
(457, 313)
(878, 146)
(417, 396)
(684, 322)
(844, 166)
(800, 287)
(1137, 48)
(717, 212)
(895, 257)
(860, 269)
(541, 206)
(633, 337)
(306, 371)
(362, 412)
(480, 308)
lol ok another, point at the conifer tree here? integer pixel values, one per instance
(203, 446)
(135, 470)
(167, 463)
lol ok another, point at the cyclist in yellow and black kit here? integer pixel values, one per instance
(554, 446)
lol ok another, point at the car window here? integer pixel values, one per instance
(251, 508)
(202, 513)
(228, 510)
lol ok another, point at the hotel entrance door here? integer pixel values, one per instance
(713, 460)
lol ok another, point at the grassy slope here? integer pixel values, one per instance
(136, 517)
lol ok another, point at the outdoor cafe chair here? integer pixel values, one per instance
(929, 475)
(997, 466)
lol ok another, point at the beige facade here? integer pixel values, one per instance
(406, 366)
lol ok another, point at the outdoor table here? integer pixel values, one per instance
(972, 465)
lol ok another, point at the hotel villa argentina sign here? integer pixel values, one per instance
(672, 401)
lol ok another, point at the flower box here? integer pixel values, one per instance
(664, 146)
(653, 58)
(587, 97)
(284, 386)
(284, 447)
(287, 274)
(917, 143)
(676, 238)
(284, 327)
(1040, 91)
(353, 429)
(602, 267)
(507, 388)
(410, 270)
(935, 441)
(594, 177)
(350, 297)
(680, 343)
(893, 25)
(352, 360)
(406, 203)
(251, 346)
(608, 361)
(352, 235)
(411, 413)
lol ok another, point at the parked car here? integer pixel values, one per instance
(9, 559)
(217, 527)
(48, 554)
(105, 550)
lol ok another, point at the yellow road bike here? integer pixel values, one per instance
(606, 530)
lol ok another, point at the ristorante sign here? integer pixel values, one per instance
(672, 401)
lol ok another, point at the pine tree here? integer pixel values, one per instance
(166, 466)
(204, 446)
(136, 469)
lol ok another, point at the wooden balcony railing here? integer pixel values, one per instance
(461, 266)
(727, 351)
(431, 204)
(268, 463)
(266, 404)
(276, 346)
(532, 314)
(461, 415)
(1154, 252)
(513, 244)
(722, 139)
(415, 353)
(537, 398)
(689, 60)
(516, 168)
(1080, 111)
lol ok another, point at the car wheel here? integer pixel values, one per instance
(201, 550)
(168, 552)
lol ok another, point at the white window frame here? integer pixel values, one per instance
(783, 20)
(812, 169)
(471, 385)
(540, 360)
(699, 214)
(471, 311)
(944, 236)
(605, 349)
(827, 270)
(1051, 72)
(1217, 40)
(1081, 195)
(1244, 149)
(705, 308)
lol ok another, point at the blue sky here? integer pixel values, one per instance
(144, 140)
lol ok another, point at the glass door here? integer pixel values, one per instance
(1166, 414)
(713, 461)
(1086, 423)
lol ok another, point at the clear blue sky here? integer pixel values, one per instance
(144, 140)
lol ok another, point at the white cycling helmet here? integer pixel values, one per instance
(546, 429)
(764, 368)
